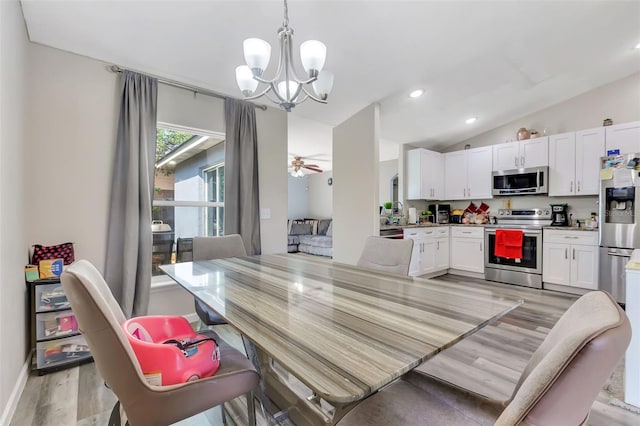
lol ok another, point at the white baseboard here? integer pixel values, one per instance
(16, 393)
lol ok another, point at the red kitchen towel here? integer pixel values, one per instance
(509, 243)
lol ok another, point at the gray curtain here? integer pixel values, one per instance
(129, 238)
(241, 206)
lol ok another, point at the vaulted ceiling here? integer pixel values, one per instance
(494, 60)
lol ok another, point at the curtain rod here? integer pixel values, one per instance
(116, 69)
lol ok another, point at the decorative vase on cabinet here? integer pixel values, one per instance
(523, 134)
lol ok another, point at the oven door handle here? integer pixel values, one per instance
(527, 232)
(538, 180)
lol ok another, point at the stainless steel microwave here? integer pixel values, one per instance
(534, 180)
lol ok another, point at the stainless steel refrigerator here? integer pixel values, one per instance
(619, 215)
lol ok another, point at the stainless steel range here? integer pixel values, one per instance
(526, 271)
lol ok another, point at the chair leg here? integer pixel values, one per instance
(114, 418)
(224, 415)
(251, 409)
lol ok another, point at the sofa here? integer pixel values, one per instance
(312, 236)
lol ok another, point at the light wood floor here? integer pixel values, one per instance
(489, 363)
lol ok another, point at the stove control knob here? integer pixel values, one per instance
(546, 212)
(538, 212)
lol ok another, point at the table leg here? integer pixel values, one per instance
(279, 401)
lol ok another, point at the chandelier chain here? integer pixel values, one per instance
(285, 22)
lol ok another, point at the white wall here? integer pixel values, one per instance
(272, 176)
(320, 195)
(388, 169)
(298, 197)
(619, 101)
(69, 119)
(13, 246)
(355, 183)
(72, 107)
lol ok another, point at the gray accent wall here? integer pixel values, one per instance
(298, 193)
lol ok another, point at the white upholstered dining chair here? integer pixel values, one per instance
(387, 255)
(207, 248)
(100, 319)
(557, 387)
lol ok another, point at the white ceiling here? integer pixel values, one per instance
(495, 60)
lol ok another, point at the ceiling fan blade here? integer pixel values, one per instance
(315, 169)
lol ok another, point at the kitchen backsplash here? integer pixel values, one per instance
(579, 207)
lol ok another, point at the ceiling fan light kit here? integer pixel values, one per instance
(297, 165)
(286, 88)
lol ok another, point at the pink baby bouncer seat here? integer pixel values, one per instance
(169, 351)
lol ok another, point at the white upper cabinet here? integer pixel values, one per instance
(521, 154)
(534, 152)
(424, 175)
(506, 156)
(574, 159)
(468, 174)
(625, 137)
(590, 146)
(562, 164)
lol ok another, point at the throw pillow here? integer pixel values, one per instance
(301, 229)
(330, 230)
(323, 226)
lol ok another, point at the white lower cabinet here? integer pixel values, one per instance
(570, 258)
(467, 249)
(430, 249)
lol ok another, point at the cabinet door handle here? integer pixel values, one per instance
(566, 253)
(522, 161)
(481, 246)
(468, 192)
(574, 254)
(578, 186)
(515, 160)
(571, 187)
(437, 245)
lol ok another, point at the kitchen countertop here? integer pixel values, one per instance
(428, 225)
(569, 228)
(425, 225)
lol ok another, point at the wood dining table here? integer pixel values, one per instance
(342, 331)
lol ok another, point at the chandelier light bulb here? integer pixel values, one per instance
(323, 85)
(416, 93)
(293, 90)
(245, 80)
(313, 54)
(257, 53)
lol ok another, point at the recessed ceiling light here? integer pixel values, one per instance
(638, 46)
(470, 120)
(416, 93)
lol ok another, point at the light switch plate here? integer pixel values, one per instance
(265, 213)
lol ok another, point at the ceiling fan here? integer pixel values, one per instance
(298, 165)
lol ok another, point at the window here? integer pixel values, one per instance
(188, 189)
(214, 179)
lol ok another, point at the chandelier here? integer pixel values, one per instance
(286, 88)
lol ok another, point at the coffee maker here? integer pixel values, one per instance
(441, 212)
(559, 215)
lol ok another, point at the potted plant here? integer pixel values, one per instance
(388, 207)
